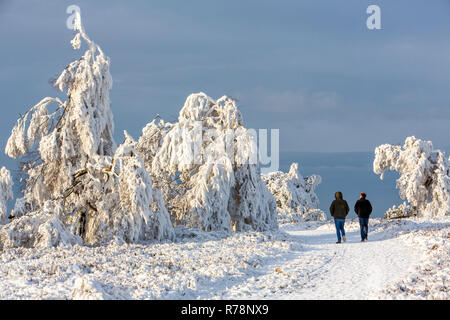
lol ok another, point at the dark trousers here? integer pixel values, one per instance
(364, 224)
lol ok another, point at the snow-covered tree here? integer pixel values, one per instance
(6, 192)
(77, 129)
(424, 175)
(102, 193)
(295, 197)
(207, 168)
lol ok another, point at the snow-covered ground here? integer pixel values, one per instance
(403, 259)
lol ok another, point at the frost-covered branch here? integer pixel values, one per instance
(22, 139)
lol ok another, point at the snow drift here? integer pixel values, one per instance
(295, 197)
(424, 176)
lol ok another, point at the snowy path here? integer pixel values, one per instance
(300, 262)
(325, 270)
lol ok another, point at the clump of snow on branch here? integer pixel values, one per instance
(6, 192)
(206, 167)
(295, 197)
(424, 175)
(102, 193)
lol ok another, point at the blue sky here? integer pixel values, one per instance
(310, 68)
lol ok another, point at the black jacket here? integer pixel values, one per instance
(339, 209)
(363, 208)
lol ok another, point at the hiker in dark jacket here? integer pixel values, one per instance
(363, 209)
(339, 210)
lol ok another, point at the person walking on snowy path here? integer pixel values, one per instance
(339, 210)
(363, 209)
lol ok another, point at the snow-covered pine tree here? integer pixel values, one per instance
(78, 176)
(424, 175)
(6, 192)
(295, 197)
(207, 168)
